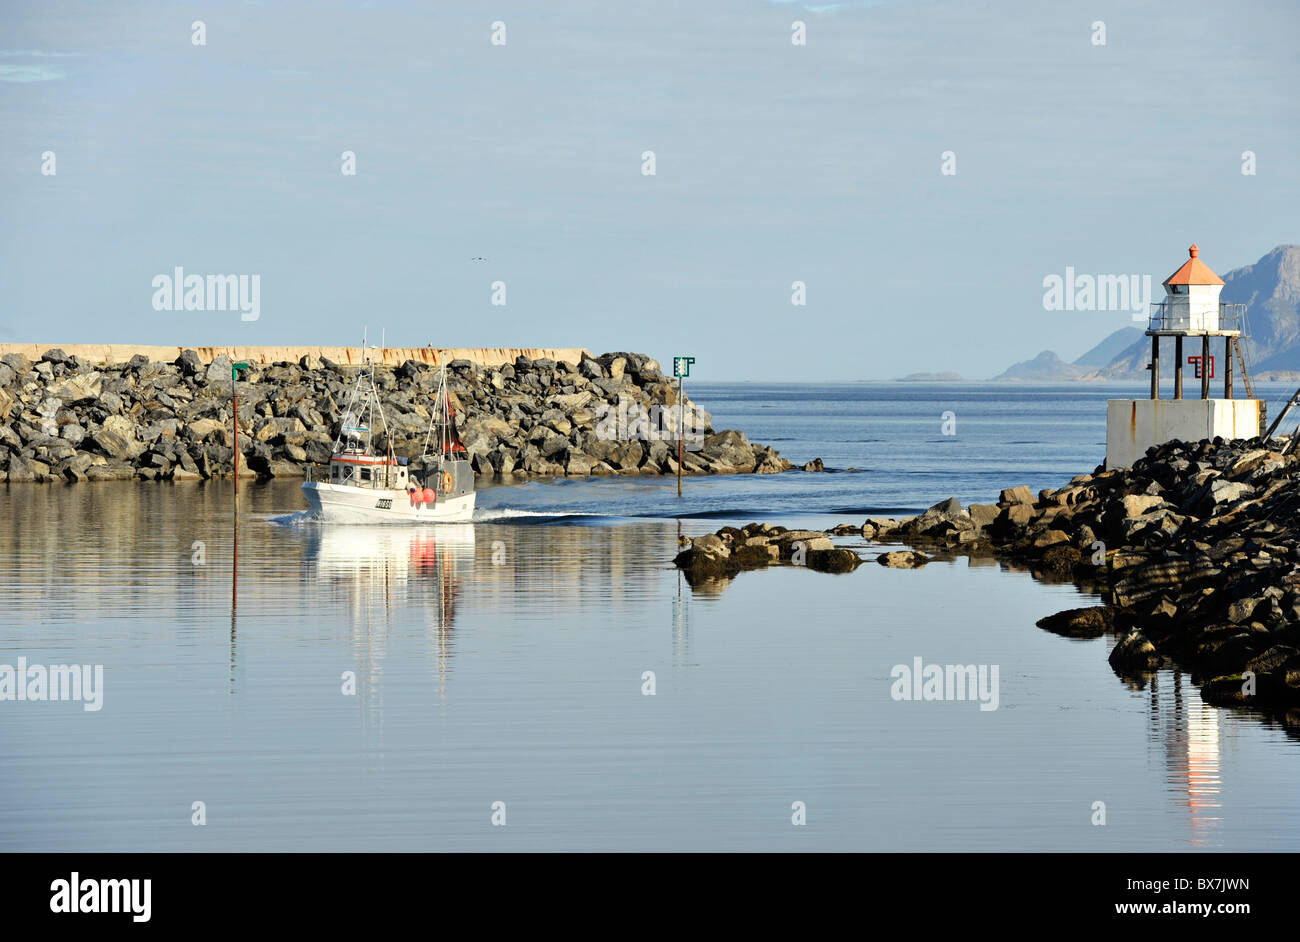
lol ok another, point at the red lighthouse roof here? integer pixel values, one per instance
(1194, 271)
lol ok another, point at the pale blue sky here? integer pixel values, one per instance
(775, 163)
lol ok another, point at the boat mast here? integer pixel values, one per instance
(446, 414)
(350, 431)
(439, 404)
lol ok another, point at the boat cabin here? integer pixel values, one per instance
(358, 469)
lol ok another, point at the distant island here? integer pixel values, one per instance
(944, 376)
(1270, 289)
(1047, 367)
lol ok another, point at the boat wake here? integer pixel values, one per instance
(514, 515)
(297, 519)
(309, 518)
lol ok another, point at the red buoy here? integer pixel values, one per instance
(429, 495)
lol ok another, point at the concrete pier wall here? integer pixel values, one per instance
(1134, 425)
(109, 353)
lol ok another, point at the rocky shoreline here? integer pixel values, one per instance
(1195, 551)
(67, 419)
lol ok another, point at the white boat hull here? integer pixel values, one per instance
(342, 503)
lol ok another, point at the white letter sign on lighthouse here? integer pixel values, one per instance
(1191, 309)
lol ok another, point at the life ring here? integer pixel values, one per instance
(446, 482)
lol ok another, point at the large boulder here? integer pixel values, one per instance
(1135, 505)
(580, 464)
(833, 560)
(75, 468)
(77, 388)
(1135, 654)
(189, 363)
(769, 461)
(20, 365)
(944, 518)
(57, 357)
(218, 370)
(1013, 519)
(116, 439)
(1090, 622)
(282, 431)
(1015, 495)
(903, 559)
(21, 470)
(707, 555)
(201, 430)
(728, 452)
(1227, 492)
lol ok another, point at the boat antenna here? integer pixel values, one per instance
(439, 401)
(446, 411)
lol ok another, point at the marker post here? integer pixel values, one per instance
(681, 369)
(234, 395)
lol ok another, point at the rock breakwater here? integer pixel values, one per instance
(68, 419)
(1195, 551)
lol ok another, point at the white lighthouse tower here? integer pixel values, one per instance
(1191, 308)
(1191, 298)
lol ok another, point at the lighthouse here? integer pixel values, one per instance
(1191, 310)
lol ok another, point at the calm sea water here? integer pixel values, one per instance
(355, 688)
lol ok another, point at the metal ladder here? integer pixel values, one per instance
(1245, 376)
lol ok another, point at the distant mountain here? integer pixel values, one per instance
(1270, 289)
(1047, 367)
(944, 376)
(1111, 347)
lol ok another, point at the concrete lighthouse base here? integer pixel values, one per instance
(1134, 425)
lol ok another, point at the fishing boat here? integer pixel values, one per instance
(362, 485)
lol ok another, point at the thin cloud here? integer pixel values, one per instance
(39, 54)
(815, 6)
(29, 73)
(34, 71)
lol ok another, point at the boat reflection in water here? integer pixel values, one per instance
(385, 577)
(1189, 729)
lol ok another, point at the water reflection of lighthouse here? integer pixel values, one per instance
(1189, 729)
(382, 573)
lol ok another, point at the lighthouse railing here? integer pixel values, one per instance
(1176, 316)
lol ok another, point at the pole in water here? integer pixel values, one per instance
(681, 369)
(234, 517)
(234, 421)
(234, 394)
(680, 420)
(234, 571)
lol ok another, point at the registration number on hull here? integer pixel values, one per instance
(384, 503)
